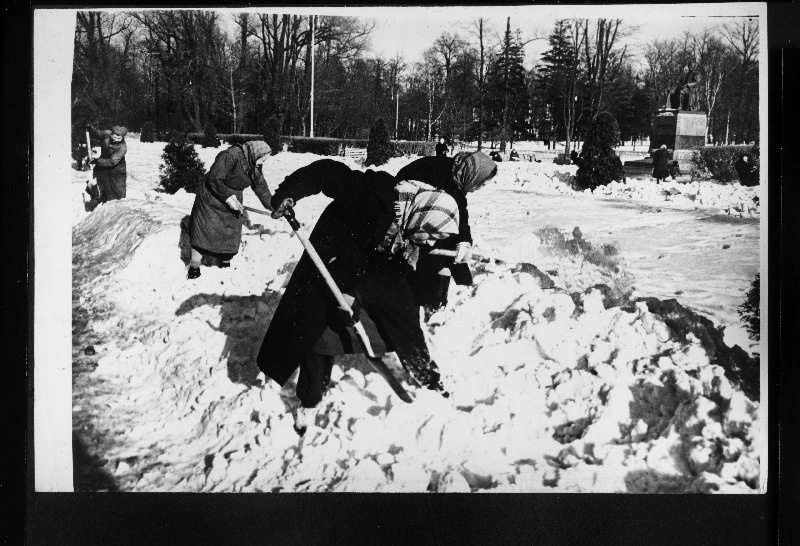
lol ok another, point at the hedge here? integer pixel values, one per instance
(327, 145)
(718, 162)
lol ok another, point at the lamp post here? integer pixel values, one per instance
(311, 22)
(396, 111)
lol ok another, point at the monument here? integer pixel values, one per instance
(680, 125)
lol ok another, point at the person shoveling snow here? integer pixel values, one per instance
(464, 173)
(215, 225)
(369, 239)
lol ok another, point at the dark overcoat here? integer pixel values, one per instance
(110, 169)
(661, 164)
(213, 226)
(428, 286)
(345, 237)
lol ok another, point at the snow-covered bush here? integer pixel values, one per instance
(379, 149)
(598, 162)
(182, 167)
(749, 310)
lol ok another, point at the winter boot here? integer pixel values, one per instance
(193, 273)
(304, 417)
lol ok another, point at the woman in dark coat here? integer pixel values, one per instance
(748, 175)
(215, 225)
(110, 169)
(661, 164)
(369, 237)
(458, 175)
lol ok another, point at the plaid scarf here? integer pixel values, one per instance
(421, 213)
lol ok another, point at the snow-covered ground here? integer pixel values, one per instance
(556, 385)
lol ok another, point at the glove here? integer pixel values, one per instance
(281, 210)
(464, 250)
(234, 204)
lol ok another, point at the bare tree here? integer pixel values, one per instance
(600, 58)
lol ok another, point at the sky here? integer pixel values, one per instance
(410, 34)
(410, 30)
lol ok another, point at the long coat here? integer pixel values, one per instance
(213, 226)
(428, 286)
(110, 169)
(661, 164)
(345, 237)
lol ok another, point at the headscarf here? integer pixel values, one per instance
(472, 169)
(253, 151)
(422, 213)
(119, 130)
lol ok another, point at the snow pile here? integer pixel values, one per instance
(549, 179)
(558, 382)
(731, 199)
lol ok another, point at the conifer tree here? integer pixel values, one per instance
(507, 96)
(598, 162)
(182, 167)
(379, 148)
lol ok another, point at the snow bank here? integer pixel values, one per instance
(549, 178)
(558, 382)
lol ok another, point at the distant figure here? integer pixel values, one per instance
(675, 170)
(748, 174)
(441, 148)
(110, 170)
(496, 157)
(573, 155)
(513, 156)
(661, 164)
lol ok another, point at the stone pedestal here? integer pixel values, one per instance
(682, 131)
(678, 129)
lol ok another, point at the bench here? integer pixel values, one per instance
(359, 154)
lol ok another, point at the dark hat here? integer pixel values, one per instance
(119, 130)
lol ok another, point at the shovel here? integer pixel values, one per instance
(377, 364)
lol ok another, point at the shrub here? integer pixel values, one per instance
(749, 310)
(718, 162)
(148, 132)
(599, 163)
(324, 145)
(401, 148)
(379, 149)
(210, 139)
(240, 138)
(182, 167)
(272, 134)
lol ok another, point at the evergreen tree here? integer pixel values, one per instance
(148, 132)
(182, 167)
(272, 134)
(507, 92)
(379, 148)
(598, 164)
(550, 82)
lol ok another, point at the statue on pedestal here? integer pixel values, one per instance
(685, 95)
